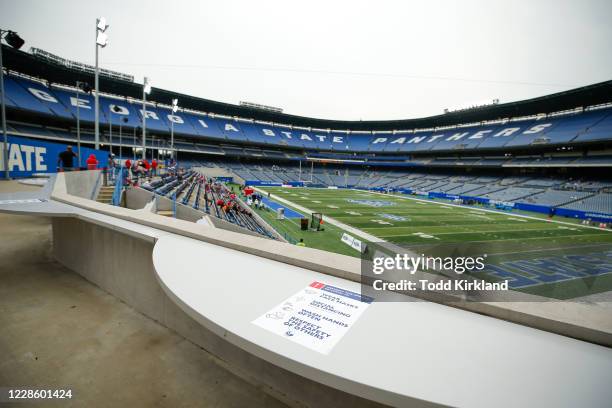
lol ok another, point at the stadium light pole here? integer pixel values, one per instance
(84, 86)
(174, 110)
(101, 42)
(16, 42)
(110, 133)
(117, 110)
(146, 89)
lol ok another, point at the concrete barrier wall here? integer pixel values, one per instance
(122, 265)
(136, 198)
(84, 184)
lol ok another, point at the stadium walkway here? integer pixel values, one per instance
(59, 330)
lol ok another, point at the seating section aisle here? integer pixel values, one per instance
(193, 189)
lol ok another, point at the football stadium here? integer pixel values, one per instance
(161, 248)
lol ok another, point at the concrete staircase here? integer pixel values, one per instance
(105, 195)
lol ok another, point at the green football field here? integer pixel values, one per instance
(558, 259)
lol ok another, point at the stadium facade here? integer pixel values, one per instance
(536, 152)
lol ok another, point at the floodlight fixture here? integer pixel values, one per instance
(102, 39)
(147, 86)
(101, 24)
(14, 40)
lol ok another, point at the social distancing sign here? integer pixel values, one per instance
(317, 317)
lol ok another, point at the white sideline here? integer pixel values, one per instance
(402, 196)
(332, 221)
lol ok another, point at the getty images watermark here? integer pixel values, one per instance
(411, 264)
(479, 271)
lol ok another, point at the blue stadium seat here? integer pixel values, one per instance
(599, 131)
(24, 99)
(45, 96)
(205, 126)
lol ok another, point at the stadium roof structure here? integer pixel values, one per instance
(595, 94)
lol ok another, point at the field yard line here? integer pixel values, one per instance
(516, 239)
(493, 211)
(543, 250)
(479, 232)
(332, 221)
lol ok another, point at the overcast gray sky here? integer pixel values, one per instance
(336, 59)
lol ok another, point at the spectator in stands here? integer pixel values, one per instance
(141, 170)
(111, 166)
(111, 161)
(154, 168)
(92, 162)
(146, 165)
(128, 166)
(66, 159)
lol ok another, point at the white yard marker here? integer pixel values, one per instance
(381, 222)
(423, 235)
(332, 206)
(353, 213)
(316, 202)
(516, 219)
(481, 216)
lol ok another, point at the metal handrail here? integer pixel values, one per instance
(118, 185)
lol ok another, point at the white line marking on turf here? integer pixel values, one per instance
(547, 249)
(348, 228)
(423, 235)
(498, 212)
(490, 231)
(480, 216)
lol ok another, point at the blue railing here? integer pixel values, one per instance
(119, 176)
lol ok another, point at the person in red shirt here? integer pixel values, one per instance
(92, 162)
(147, 166)
(154, 167)
(128, 167)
